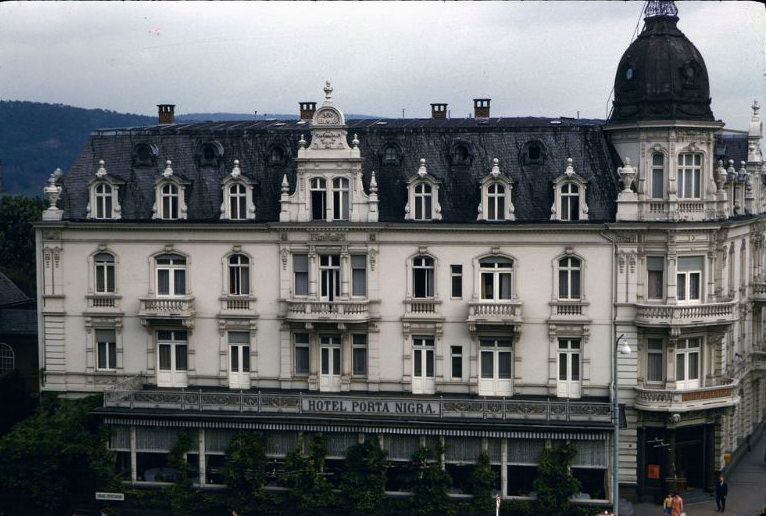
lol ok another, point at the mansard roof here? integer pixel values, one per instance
(432, 139)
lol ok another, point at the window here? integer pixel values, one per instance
(329, 273)
(456, 275)
(329, 362)
(340, 198)
(171, 275)
(301, 274)
(106, 350)
(168, 201)
(423, 276)
(7, 358)
(358, 275)
(239, 351)
(689, 175)
(104, 264)
(569, 368)
(461, 154)
(359, 354)
(688, 363)
(209, 154)
(239, 275)
(103, 201)
(495, 365)
(496, 202)
(301, 341)
(144, 155)
(654, 367)
(318, 189)
(569, 278)
(496, 278)
(658, 176)
(655, 277)
(172, 351)
(423, 202)
(423, 365)
(570, 202)
(391, 155)
(689, 278)
(237, 202)
(456, 362)
(277, 155)
(533, 153)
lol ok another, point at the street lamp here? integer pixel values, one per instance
(622, 349)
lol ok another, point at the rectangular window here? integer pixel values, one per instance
(689, 278)
(358, 275)
(457, 362)
(654, 360)
(655, 272)
(239, 351)
(688, 363)
(329, 274)
(423, 349)
(301, 353)
(359, 354)
(106, 350)
(456, 272)
(301, 274)
(658, 176)
(689, 175)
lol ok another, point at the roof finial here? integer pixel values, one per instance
(495, 167)
(285, 184)
(235, 172)
(422, 171)
(570, 169)
(373, 183)
(756, 107)
(168, 169)
(101, 172)
(660, 8)
(328, 92)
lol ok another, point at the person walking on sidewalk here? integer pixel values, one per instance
(667, 505)
(677, 506)
(721, 491)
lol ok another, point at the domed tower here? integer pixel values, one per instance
(661, 120)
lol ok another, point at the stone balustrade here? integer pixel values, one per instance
(672, 400)
(704, 314)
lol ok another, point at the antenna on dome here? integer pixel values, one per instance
(660, 8)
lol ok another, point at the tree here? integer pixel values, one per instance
(482, 486)
(431, 484)
(555, 483)
(57, 455)
(245, 470)
(182, 495)
(311, 490)
(17, 240)
(363, 481)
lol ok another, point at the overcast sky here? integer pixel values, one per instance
(531, 58)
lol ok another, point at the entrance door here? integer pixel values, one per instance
(423, 381)
(495, 378)
(239, 360)
(330, 363)
(172, 347)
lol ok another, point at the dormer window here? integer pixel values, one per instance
(496, 202)
(318, 188)
(569, 196)
(210, 154)
(391, 154)
(461, 153)
(103, 203)
(144, 155)
(533, 153)
(340, 198)
(170, 202)
(237, 202)
(237, 196)
(277, 154)
(423, 196)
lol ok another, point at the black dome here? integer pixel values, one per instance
(661, 75)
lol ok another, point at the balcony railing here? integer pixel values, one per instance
(569, 310)
(359, 406)
(759, 290)
(167, 307)
(422, 308)
(506, 312)
(706, 314)
(758, 360)
(233, 303)
(337, 310)
(668, 400)
(104, 302)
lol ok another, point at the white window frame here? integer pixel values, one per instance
(358, 275)
(688, 276)
(330, 362)
(106, 349)
(301, 274)
(359, 354)
(301, 350)
(104, 273)
(426, 264)
(562, 188)
(423, 364)
(330, 276)
(7, 358)
(240, 361)
(569, 352)
(417, 209)
(496, 268)
(175, 199)
(237, 202)
(689, 172)
(655, 352)
(652, 271)
(688, 350)
(237, 191)
(570, 201)
(103, 204)
(238, 274)
(340, 198)
(173, 375)
(499, 350)
(175, 265)
(423, 201)
(496, 206)
(657, 188)
(569, 276)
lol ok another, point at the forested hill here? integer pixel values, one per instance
(37, 138)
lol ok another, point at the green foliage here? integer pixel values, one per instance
(245, 471)
(182, 495)
(431, 484)
(363, 481)
(555, 483)
(56, 454)
(17, 240)
(311, 490)
(482, 486)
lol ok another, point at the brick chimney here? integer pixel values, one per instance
(307, 110)
(166, 113)
(438, 110)
(481, 108)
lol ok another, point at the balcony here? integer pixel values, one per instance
(237, 305)
(493, 313)
(167, 308)
(423, 309)
(759, 290)
(338, 311)
(706, 314)
(569, 311)
(103, 303)
(758, 360)
(671, 400)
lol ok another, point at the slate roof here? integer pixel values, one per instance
(433, 139)
(18, 321)
(731, 146)
(10, 294)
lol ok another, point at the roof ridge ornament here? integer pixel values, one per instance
(236, 171)
(495, 167)
(101, 172)
(570, 169)
(168, 172)
(328, 93)
(422, 171)
(756, 107)
(656, 8)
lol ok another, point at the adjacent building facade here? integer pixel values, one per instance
(461, 281)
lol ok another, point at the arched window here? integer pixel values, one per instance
(422, 277)
(238, 201)
(239, 275)
(570, 202)
(569, 278)
(169, 201)
(340, 198)
(423, 202)
(7, 358)
(318, 187)
(496, 278)
(104, 273)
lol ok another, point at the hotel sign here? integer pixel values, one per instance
(397, 407)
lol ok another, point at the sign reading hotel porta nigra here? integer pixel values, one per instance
(361, 406)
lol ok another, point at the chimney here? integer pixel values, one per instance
(166, 113)
(307, 110)
(481, 108)
(438, 110)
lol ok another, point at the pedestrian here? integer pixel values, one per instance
(721, 491)
(677, 506)
(667, 504)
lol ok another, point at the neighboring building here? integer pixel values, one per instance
(462, 280)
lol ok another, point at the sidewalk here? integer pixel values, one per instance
(747, 490)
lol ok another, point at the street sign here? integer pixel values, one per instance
(114, 497)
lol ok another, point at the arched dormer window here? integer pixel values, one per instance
(423, 196)
(569, 196)
(7, 358)
(496, 201)
(170, 201)
(391, 154)
(209, 154)
(461, 153)
(533, 153)
(103, 200)
(237, 196)
(277, 154)
(144, 155)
